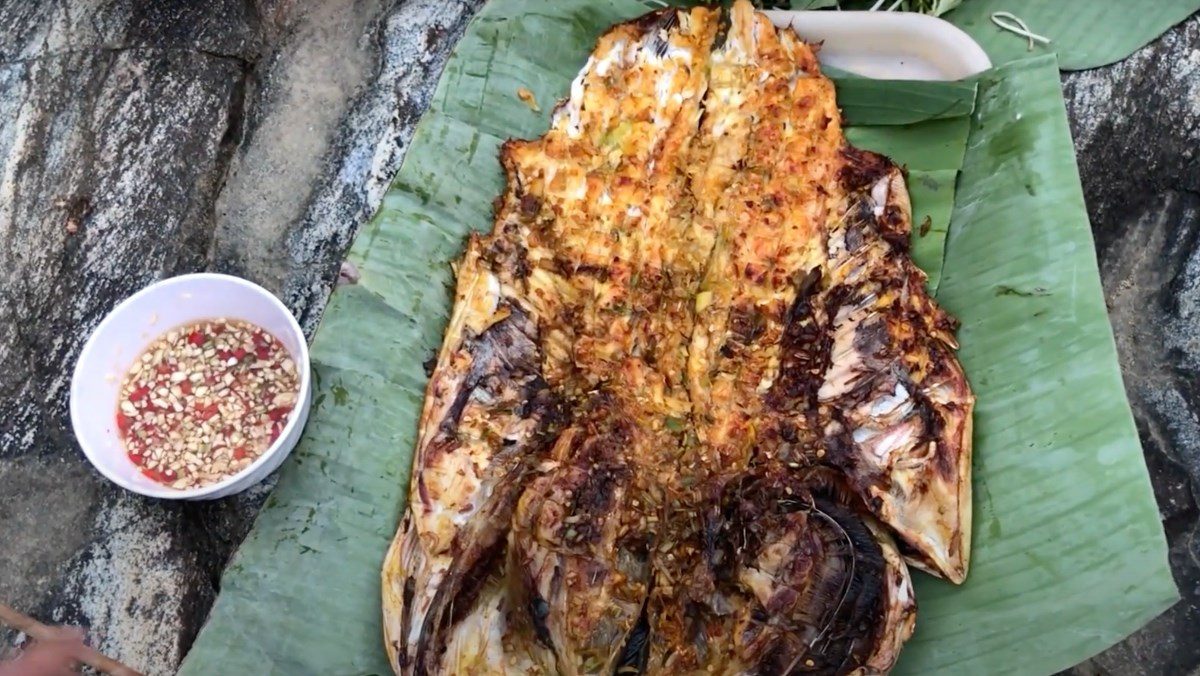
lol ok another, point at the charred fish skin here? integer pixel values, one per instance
(586, 566)
(901, 405)
(488, 414)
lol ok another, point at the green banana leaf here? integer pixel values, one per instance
(913, 101)
(1069, 555)
(1084, 33)
(932, 195)
(928, 146)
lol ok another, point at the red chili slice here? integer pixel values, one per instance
(262, 352)
(206, 412)
(124, 422)
(239, 453)
(163, 369)
(136, 458)
(280, 413)
(186, 387)
(196, 338)
(139, 394)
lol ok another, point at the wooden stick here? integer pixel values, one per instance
(40, 632)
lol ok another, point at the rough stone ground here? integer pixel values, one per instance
(145, 138)
(1137, 134)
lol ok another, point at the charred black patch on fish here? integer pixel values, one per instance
(509, 254)
(402, 646)
(841, 450)
(841, 470)
(476, 576)
(569, 269)
(746, 325)
(657, 26)
(863, 169)
(872, 340)
(454, 600)
(722, 34)
(895, 230)
(636, 651)
(505, 363)
(819, 565)
(593, 498)
(660, 41)
(539, 610)
(597, 471)
(531, 205)
(804, 350)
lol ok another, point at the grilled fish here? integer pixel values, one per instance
(610, 231)
(604, 292)
(691, 386)
(488, 413)
(899, 422)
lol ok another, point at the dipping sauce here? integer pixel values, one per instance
(205, 400)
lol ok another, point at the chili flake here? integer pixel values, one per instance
(205, 400)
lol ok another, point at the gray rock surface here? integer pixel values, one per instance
(1137, 133)
(256, 136)
(146, 138)
(94, 132)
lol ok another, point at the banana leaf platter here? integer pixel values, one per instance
(1069, 554)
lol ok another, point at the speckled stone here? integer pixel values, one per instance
(95, 202)
(145, 138)
(1137, 134)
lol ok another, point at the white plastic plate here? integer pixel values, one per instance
(888, 45)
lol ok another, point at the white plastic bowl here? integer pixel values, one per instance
(133, 325)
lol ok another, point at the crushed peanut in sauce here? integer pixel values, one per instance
(205, 400)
